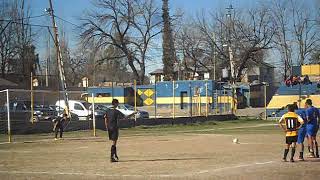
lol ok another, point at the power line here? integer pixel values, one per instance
(31, 17)
(69, 22)
(28, 24)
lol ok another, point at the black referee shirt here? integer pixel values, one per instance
(113, 116)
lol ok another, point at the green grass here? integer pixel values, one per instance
(241, 126)
(206, 127)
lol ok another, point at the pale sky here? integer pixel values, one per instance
(72, 10)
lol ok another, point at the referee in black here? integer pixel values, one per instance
(111, 119)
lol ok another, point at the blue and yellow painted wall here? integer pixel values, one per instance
(167, 93)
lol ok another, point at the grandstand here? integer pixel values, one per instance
(296, 93)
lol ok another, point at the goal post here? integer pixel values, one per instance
(8, 116)
(24, 114)
(5, 124)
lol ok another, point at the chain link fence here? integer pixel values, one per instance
(25, 113)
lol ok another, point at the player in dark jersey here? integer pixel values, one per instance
(112, 117)
(302, 132)
(312, 115)
(289, 122)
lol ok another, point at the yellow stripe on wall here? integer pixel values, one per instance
(279, 101)
(165, 100)
(106, 99)
(169, 100)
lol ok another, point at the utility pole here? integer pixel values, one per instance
(59, 58)
(48, 61)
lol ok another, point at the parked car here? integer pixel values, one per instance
(81, 108)
(44, 112)
(21, 110)
(102, 107)
(128, 110)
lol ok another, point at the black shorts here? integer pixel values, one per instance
(291, 139)
(113, 134)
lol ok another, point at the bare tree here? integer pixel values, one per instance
(280, 12)
(297, 32)
(7, 46)
(17, 51)
(129, 25)
(315, 57)
(195, 49)
(253, 37)
(250, 34)
(305, 31)
(24, 39)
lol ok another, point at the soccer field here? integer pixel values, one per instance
(197, 151)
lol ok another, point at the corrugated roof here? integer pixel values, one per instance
(4, 82)
(157, 71)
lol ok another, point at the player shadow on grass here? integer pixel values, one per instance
(165, 159)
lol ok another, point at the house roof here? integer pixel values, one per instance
(157, 71)
(160, 71)
(4, 82)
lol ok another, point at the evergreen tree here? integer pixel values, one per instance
(168, 57)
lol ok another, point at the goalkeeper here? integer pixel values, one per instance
(58, 125)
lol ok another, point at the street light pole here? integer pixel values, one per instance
(214, 56)
(232, 71)
(230, 8)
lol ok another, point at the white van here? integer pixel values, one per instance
(80, 108)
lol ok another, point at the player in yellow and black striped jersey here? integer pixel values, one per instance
(290, 123)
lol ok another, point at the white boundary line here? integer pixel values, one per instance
(137, 175)
(235, 167)
(14, 151)
(5, 143)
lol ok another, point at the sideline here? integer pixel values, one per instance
(138, 175)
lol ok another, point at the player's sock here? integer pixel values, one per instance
(285, 153)
(311, 153)
(317, 149)
(112, 151)
(293, 151)
(113, 148)
(301, 155)
(115, 152)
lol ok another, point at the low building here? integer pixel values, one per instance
(181, 74)
(258, 73)
(257, 77)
